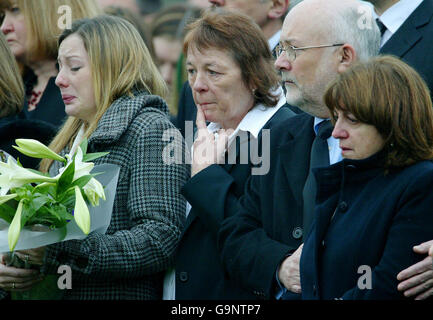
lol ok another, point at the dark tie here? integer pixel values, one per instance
(381, 26)
(319, 157)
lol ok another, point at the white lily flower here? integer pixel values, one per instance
(14, 176)
(35, 149)
(81, 168)
(81, 212)
(93, 191)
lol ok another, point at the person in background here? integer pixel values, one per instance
(148, 9)
(236, 88)
(31, 29)
(136, 21)
(11, 102)
(267, 14)
(11, 86)
(375, 205)
(407, 32)
(131, 5)
(113, 99)
(167, 32)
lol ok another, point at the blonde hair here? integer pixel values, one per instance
(11, 86)
(42, 17)
(120, 63)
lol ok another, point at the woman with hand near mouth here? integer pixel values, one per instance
(31, 29)
(235, 87)
(375, 205)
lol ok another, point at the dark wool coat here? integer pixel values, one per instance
(210, 192)
(128, 262)
(365, 227)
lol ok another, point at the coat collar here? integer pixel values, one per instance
(295, 151)
(122, 112)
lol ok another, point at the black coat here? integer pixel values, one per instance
(14, 128)
(50, 109)
(413, 41)
(378, 219)
(211, 192)
(267, 222)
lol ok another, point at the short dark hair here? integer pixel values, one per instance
(242, 37)
(390, 95)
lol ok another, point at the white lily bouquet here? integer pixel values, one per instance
(37, 209)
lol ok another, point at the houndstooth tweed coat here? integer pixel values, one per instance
(128, 262)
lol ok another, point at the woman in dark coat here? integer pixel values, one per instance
(236, 89)
(376, 204)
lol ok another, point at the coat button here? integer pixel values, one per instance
(323, 243)
(183, 276)
(314, 290)
(343, 206)
(297, 233)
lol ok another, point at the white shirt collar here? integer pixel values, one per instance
(273, 41)
(394, 17)
(254, 120)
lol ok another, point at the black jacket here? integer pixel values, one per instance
(211, 193)
(378, 219)
(266, 224)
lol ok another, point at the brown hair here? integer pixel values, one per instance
(11, 86)
(390, 95)
(244, 40)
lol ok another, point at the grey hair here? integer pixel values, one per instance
(355, 25)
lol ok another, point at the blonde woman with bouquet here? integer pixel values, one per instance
(111, 90)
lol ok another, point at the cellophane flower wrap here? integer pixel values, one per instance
(37, 209)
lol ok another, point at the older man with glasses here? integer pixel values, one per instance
(262, 241)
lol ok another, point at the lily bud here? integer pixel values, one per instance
(35, 149)
(81, 212)
(15, 227)
(93, 191)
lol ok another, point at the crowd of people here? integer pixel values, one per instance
(309, 172)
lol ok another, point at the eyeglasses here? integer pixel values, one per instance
(291, 50)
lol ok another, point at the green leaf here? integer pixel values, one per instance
(66, 178)
(92, 156)
(45, 188)
(82, 181)
(83, 145)
(7, 212)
